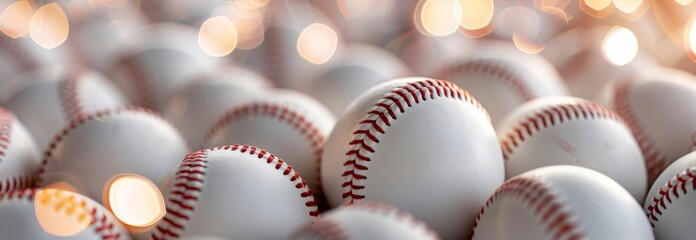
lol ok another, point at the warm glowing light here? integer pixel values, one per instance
(476, 14)
(60, 213)
(598, 5)
(690, 39)
(620, 46)
(49, 26)
(439, 17)
(353, 8)
(628, 6)
(317, 43)
(217, 36)
(525, 45)
(135, 201)
(684, 2)
(520, 20)
(15, 19)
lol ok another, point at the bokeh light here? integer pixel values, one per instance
(690, 39)
(620, 46)
(628, 6)
(60, 213)
(135, 201)
(49, 26)
(217, 36)
(438, 17)
(15, 19)
(353, 8)
(476, 14)
(317, 43)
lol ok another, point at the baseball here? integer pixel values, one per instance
(152, 70)
(21, 55)
(355, 71)
(501, 78)
(235, 192)
(366, 220)
(561, 202)
(290, 124)
(403, 137)
(36, 213)
(196, 107)
(645, 100)
(669, 206)
(62, 97)
(93, 148)
(572, 131)
(19, 156)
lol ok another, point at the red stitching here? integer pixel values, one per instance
(551, 116)
(539, 197)
(189, 180)
(70, 100)
(104, 226)
(81, 119)
(498, 70)
(670, 189)
(139, 79)
(10, 183)
(17, 52)
(655, 159)
(286, 115)
(325, 228)
(377, 120)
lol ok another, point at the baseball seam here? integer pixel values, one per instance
(70, 99)
(326, 228)
(655, 159)
(14, 49)
(101, 223)
(81, 119)
(547, 206)
(7, 184)
(188, 185)
(380, 117)
(499, 71)
(139, 80)
(671, 189)
(549, 117)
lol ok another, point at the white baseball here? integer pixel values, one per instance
(657, 104)
(152, 70)
(426, 56)
(235, 192)
(93, 148)
(19, 55)
(572, 131)
(365, 220)
(359, 68)
(19, 156)
(561, 202)
(670, 203)
(36, 213)
(61, 98)
(501, 78)
(277, 57)
(196, 107)
(403, 141)
(292, 125)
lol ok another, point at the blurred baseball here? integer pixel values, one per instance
(19, 158)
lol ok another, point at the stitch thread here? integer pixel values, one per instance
(552, 116)
(81, 119)
(547, 206)
(103, 226)
(327, 229)
(13, 182)
(655, 159)
(496, 69)
(188, 185)
(139, 79)
(283, 114)
(380, 117)
(670, 192)
(70, 100)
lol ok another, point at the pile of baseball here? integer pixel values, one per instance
(133, 131)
